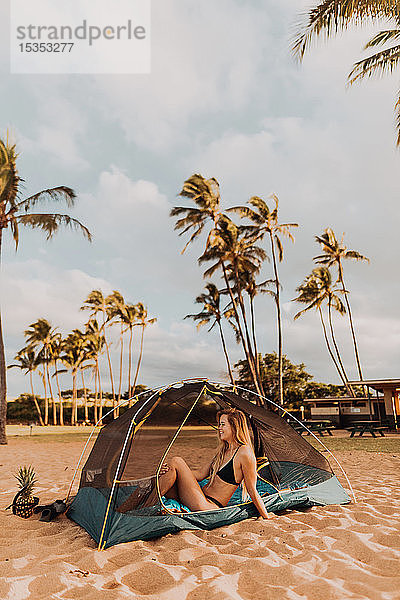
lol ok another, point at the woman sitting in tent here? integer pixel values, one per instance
(233, 464)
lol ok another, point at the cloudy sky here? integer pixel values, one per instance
(225, 99)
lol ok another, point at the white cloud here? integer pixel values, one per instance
(205, 59)
(58, 143)
(59, 128)
(131, 218)
(34, 289)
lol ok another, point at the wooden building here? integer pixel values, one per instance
(344, 410)
(381, 404)
(389, 390)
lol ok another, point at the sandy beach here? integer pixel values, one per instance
(334, 552)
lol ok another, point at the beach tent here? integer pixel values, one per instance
(123, 465)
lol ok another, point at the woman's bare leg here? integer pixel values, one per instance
(189, 490)
(177, 482)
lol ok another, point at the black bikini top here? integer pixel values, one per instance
(227, 473)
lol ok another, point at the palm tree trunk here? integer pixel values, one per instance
(46, 400)
(246, 351)
(279, 320)
(251, 351)
(60, 399)
(74, 400)
(329, 347)
(85, 396)
(350, 321)
(243, 311)
(253, 333)
(130, 365)
(51, 394)
(35, 400)
(100, 391)
(139, 360)
(3, 380)
(108, 358)
(226, 353)
(348, 386)
(96, 397)
(121, 362)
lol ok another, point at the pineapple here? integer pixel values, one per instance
(24, 501)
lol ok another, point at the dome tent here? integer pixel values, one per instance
(127, 455)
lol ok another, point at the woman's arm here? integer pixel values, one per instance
(249, 470)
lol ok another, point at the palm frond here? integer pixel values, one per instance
(204, 192)
(14, 231)
(50, 223)
(355, 255)
(397, 115)
(378, 64)
(331, 16)
(9, 178)
(279, 246)
(262, 207)
(248, 213)
(192, 216)
(56, 194)
(383, 37)
(194, 235)
(338, 305)
(211, 270)
(313, 304)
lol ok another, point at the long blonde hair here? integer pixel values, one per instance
(241, 435)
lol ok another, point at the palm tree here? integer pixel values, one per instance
(331, 294)
(74, 354)
(310, 293)
(116, 311)
(211, 313)
(205, 194)
(252, 288)
(326, 291)
(266, 222)
(234, 251)
(144, 321)
(95, 342)
(130, 317)
(334, 253)
(96, 303)
(27, 361)
(14, 212)
(331, 16)
(41, 335)
(55, 349)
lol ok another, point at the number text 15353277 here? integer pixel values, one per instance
(46, 46)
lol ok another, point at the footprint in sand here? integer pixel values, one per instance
(208, 591)
(149, 579)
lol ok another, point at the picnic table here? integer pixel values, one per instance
(319, 427)
(362, 427)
